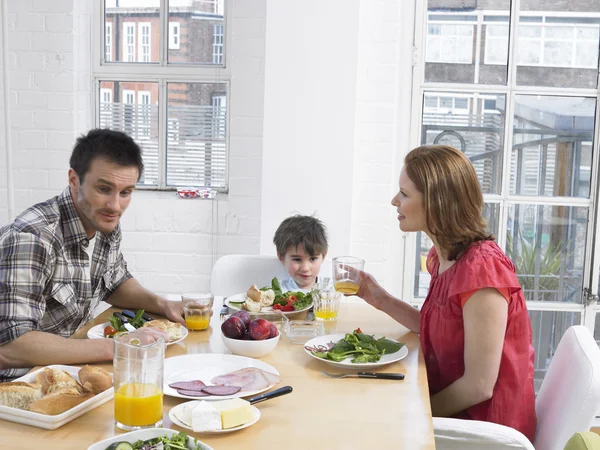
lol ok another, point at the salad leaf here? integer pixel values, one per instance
(363, 348)
(176, 442)
(137, 320)
(116, 323)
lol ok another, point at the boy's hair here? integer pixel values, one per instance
(297, 230)
(111, 145)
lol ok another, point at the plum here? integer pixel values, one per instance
(247, 336)
(260, 329)
(244, 315)
(233, 328)
(273, 330)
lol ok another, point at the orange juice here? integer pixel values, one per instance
(197, 322)
(325, 315)
(346, 287)
(138, 405)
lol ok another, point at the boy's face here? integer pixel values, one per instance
(301, 266)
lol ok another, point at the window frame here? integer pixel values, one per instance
(161, 72)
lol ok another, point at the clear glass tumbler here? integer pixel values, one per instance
(196, 309)
(138, 370)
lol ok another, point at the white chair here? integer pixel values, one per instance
(567, 403)
(234, 274)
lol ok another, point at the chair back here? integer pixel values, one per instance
(569, 398)
(234, 274)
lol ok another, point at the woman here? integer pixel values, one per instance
(474, 327)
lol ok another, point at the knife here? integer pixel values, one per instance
(383, 376)
(131, 315)
(126, 323)
(269, 395)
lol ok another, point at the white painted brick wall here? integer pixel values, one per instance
(170, 244)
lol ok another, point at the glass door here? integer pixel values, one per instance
(515, 88)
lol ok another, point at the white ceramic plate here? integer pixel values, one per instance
(144, 435)
(53, 422)
(179, 423)
(97, 332)
(264, 309)
(346, 364)
(206, 366)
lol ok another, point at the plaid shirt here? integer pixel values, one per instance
(43, 282)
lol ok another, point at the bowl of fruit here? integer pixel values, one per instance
(249, 337)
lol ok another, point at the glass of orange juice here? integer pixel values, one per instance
(138, 370)
(346, 273)
(326, 301)
(197, 307)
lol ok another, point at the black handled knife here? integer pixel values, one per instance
(126, 323)
(269, 395)
(131, 315)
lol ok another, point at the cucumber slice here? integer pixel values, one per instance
(120, 446)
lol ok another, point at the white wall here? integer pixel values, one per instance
(310, 97)
(314, 128)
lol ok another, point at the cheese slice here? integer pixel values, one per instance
(205, 417)
(234, 412)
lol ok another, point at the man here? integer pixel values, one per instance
(59, 259)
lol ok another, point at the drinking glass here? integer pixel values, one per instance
(326, 304)
(138, 370)
(346, 273)
(197, 307)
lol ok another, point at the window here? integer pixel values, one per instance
(108, 42)
(174, 35)
(217, 44)
(144, 40)
(129, 44)
(449, 39)
(181, 126)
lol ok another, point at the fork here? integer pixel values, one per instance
(224, 313)
(382, 376)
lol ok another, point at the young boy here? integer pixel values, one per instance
(301, 243)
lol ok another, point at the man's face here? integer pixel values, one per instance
(104, 194)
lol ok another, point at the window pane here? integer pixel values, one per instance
(196, 135)
(552, 141)
(557, 45)
(547, 245)
(132, 31)
(491, 213)
(132, 107)
(196, 32)
(454, 36)
(463, 121)
(548, 328)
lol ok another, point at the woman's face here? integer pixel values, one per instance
(409, 204)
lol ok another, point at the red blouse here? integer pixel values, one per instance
(482, 265)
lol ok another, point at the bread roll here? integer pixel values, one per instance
(173, 329)
(19, 395)
(53, 379)
(94, 379)
(254, 293)
(54, 404)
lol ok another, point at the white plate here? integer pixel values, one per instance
(53, 422)
(97, 332)
(143, 435)
(346, 364)
(206, 366)
(179, 423)
(264, 309)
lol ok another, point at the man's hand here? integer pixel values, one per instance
(172, 310)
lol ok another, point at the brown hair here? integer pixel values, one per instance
(296, 230)
(452, 197)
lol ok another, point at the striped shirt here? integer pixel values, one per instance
(44, 284)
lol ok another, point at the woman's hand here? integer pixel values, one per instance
(368, 288)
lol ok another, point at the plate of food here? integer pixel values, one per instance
(54, 395)
(150, 437)
(176, 331)
(211, 376)
(216, 417)
(270, 299)
(356, 350)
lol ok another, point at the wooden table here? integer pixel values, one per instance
(320, 413)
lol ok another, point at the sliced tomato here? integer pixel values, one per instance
(292, 299)
(288, 308)
(109, 331)
(277, 307)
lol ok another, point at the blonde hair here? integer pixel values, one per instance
(452, 197)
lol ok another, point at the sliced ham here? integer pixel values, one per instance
(249, 379)
(194, 385)
(193, 393)
(221, 390)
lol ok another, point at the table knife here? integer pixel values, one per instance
(131, 315)
(269, 395)
(126, 323)
(382, 376)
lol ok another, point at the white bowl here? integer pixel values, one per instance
(249, 348)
